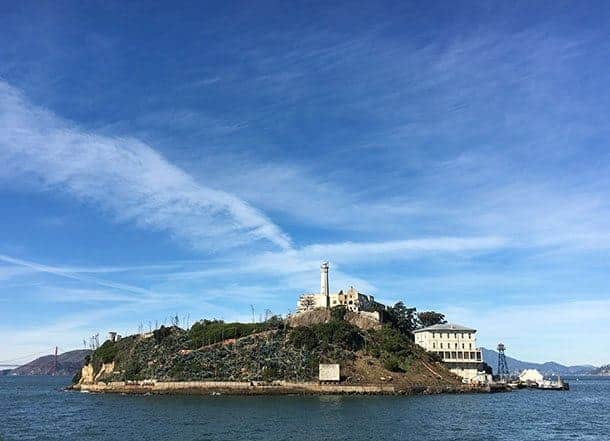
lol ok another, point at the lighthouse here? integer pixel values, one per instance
(324, 283)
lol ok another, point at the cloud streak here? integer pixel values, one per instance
(125, 177)
(61, 272)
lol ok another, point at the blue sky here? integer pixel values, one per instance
(196, 159)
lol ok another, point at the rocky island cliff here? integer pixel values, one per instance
(276, 356)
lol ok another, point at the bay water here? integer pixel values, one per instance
(37, 408)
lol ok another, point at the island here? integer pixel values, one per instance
(335, 343)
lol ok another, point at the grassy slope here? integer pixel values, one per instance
(272, 351)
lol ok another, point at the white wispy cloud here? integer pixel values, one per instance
(63, 272)
(307, 259)
(349, 251)
(84, 296)
(11, 271)
(123, 176)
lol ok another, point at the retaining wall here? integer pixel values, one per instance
(231, 387)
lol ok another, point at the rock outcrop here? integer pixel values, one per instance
(361, 319)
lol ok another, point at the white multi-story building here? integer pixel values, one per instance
(456, 345)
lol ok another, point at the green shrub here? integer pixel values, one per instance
(391, 340)
(392, 363)
(338, 312)
(343, 334)
(393, 348)
(213, 331)
(396, 363)
(132, 370)
(161, 333)
(106, 353)
(77, 376)
(334, 332)
(304, 337)
(274, 322)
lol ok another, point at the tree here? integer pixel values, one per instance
(401, 317)
(308, 302)
(430, 318)
(274, 322)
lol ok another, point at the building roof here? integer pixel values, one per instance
(446, 327)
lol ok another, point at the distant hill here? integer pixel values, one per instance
(491, 358)
(68, 364)
(604, 370)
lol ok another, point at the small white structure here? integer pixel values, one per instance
(456, 345)
(481, 378)
(329, 372)
(531, 376)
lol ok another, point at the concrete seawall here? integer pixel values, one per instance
(257, 388)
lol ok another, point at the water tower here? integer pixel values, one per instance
(502, 364)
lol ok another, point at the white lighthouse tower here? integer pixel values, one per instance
(324, 283)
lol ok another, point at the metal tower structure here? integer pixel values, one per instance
(55, 362)
(503, 372)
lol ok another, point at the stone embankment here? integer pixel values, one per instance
(261, 388)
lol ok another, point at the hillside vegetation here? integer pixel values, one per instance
(273, 350)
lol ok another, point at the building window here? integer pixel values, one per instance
(433, 345)
(456, 346)
(463, 346)
(470, 346)
(441, 345)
